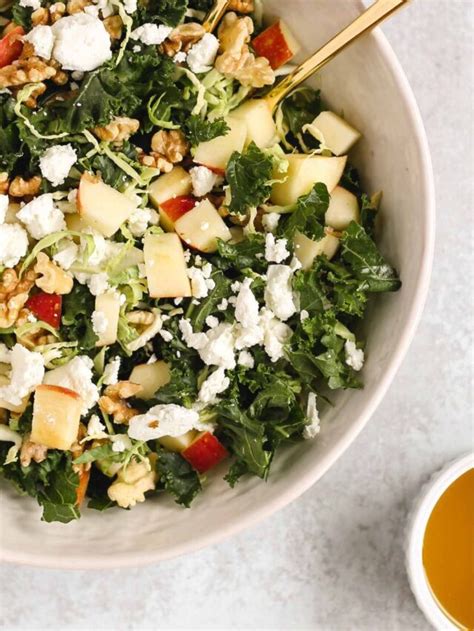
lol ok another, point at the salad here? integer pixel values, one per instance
(182, 271)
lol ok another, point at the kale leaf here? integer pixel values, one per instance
(208, 306)
(301, 108)
(21, 15)
(76, 317)
(168, 12)
(10, 142)
(308, 217)
(246, 254)
(177, 477)
(248, 175)
(199, 130)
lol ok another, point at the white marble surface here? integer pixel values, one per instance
(333, 559)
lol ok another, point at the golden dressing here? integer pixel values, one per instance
(448, 551)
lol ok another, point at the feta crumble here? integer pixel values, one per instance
(304, 315)
(27, 371)
(140, 219)
(13, 244)
(212, 321)
(95, 428)
(278, 291)
(270, 221)
(164, 420)
(130, 6)
(275, 250)
(98, 283)
(3, 207)
(180, 57)
(99, 322)
(246, 306)
(354, 355)
(56, 162)
(120, 443)
(215, 384)
(42, 39)
(151, 34)
(42, 217)
(77, 376)
(313, 427)
(30, 4)
(245, 359)
(203, 180)
(111, 371)
(166, 335)
(201, 284)
(216, 347)
(275, 335)
(202, 55)
(81, 42)
(67, 255)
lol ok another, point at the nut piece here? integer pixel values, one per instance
(22, 188)
(155, 161)
(76, 6)
(4, 182)
(114, 26)
(184, 36)
(171, 145)
(119, 129)
(30, 70)
(53, 279)
(56, 11)
(40, 16)
(113, 400)
(13, 296)
(132, 482)
(32, 451)
(234, 33)
(241, 6)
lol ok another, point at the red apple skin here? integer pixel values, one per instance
(205, 452)
(174, 208)
(82, 486)
(272, 44)
(216, 170)
(46, 307)
(11, 46)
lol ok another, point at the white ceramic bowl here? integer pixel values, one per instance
(368, 85)
(422, 509)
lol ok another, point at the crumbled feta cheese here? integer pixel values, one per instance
(66, 256)
(245, 359)
(13, 244)
(120, 442)
(140, 219)
(215, 384)
(270, 221)
(304, 315)
(99, 322)
(151, 34)
(187, 255)
(276, 335)
(212, 321)
(354, 355)
(77, 376)
(166, 335)
(137, 48)
(312, 429)
(81, 42)
(201, 284)
(130, 6)
(295, 264)
(203, 181)
(111, 371)
(30, 4)
(164, 420)
(177, 301)
(27, 370)
(278, 291)
(3, 207)
(246, 306)
(198, 260)
(235, 286)
(216, 347)
(222, 306)
(180, 57)
(275, 250)
(202, 55)
(77, 75)
(98, 283)
(42, 39)
(41, 217)
(56, 162)
(95, 428)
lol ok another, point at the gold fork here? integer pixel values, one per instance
(215, 14)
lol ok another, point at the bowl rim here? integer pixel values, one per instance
(134, 559)
(416, 527)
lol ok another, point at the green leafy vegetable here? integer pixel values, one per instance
(301, 108)
(249, 174)
(169, 12)
(308, 217)
(199, 130)
(76, 317)
(10, 142)
(178, 477)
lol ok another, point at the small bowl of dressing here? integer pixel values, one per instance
(440, 547)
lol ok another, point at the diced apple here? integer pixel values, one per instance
(277, 44)
(131, 258)
(258, 119)
(151, 377)
(306, 250)
(109, 305)
(165, 266)
(174, 208)
(101, 206)
(173, 184)
(205, 452)
(202, 226)
(56, 416)
(11, 45)
(338, 135)
(178, 443)
(303, 173)
(18, 409)
(46, 307)
(75, 223)
(343, 208)
(215, 154)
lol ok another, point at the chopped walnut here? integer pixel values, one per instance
(77, 6)
(34, 338)
(118, 130)
(31, 101)
(143, 318)
(40, 16)
(234, 33)
(28, 50)
(13, 295)
(4, 182)
(113, 400)
(32, 451)
(184, 36)
(30, 70)
(23, 188)
(57, 11)
(241, 6)
(114, 26)
(255, 72)
(52, 279)
(171, 145)
(60, 77)
(156, 161)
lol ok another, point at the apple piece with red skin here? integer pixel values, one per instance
(173, 184)
(277, 44)
(205, 452)
(11, 46)
(46, 307)
(215, 153)
(202, 226)
(172, 209)
(56, 417)
(81, 489)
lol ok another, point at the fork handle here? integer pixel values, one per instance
(215, 14)
(375, 14)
